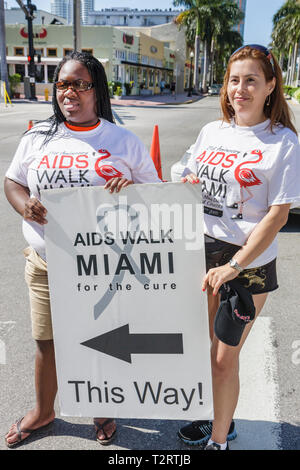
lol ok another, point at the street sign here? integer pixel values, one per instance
(129, 317)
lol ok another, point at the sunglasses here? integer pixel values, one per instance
(260, 48)
(77, 85)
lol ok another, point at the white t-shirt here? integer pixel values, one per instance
(244, 171)
(77, 158)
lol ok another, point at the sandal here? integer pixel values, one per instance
(26, 431)
(100, 427)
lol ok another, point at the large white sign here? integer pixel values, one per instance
(130, 320)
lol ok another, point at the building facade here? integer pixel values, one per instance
(241, 26)
(17, 16)
(132, 58)
(61, 8)
(87, 6)
(64, 8)
(131, 17)
(175, 50)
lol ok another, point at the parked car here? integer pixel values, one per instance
(214, 89)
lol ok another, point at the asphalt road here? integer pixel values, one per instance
(274, 351)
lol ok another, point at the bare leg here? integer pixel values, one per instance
(46, 388)
(225, 373)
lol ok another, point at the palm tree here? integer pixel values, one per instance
(208, 18)
(286, 35)
(192, 19)
(227, 42)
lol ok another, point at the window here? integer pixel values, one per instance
(90, 51)
(51, 70)
(51, 52)
(145, 78)
(133, 74)
(19, 51)
(20, 69)
(120, 54)
(39, 73)
(132, 57)
(151, 77)
(67, 52)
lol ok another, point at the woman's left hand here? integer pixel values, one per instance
(116, 184)
(215, 277)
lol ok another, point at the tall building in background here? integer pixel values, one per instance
(241, 26)
(64, 8)
(60, 8)
(87, 6)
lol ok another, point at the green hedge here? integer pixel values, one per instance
(289, 90)
(293, 92)
(296, 95)
(113, 86)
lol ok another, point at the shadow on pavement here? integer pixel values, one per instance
(160, 435)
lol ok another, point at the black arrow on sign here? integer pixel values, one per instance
(121, 344)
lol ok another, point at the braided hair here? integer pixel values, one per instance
(98, 76)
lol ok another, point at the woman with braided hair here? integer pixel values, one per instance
(79, 145)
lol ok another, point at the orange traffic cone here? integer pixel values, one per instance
(30, 125)
(155, 152)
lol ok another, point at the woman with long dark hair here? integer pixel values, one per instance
(79, 145)
(249, 167)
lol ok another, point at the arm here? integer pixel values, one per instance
(19, 197)
(258, 241)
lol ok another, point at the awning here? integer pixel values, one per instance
(146, 65)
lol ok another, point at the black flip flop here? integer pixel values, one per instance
(100, 427)
(26, 431)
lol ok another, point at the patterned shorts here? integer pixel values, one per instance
(256, 280)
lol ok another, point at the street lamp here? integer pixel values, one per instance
(191, 74)
(29, 15)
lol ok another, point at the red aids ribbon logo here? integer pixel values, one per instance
(41, 34)
(106, 171)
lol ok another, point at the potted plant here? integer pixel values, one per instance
(118, 93)
(111, 88)
(14, 81)
(128, 87)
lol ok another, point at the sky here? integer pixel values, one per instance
(258, 21)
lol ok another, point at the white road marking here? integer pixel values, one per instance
(256, 416)
(5, 327)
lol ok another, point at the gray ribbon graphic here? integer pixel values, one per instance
(134, 218)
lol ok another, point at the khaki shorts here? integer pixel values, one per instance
(36, 277)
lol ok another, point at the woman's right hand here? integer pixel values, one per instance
(190, 178)
(35, 211)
